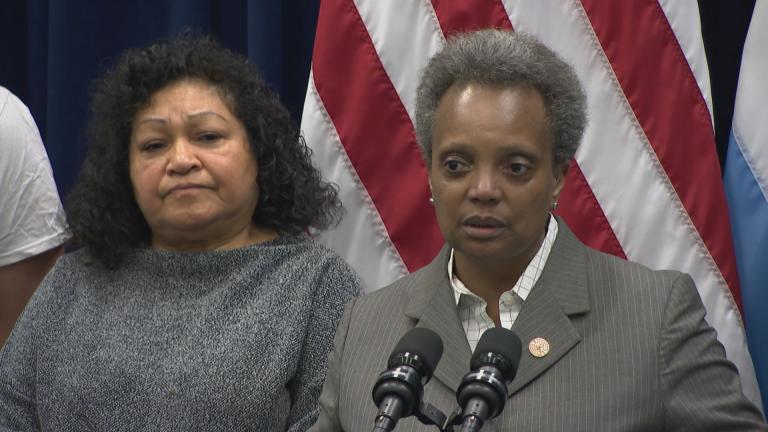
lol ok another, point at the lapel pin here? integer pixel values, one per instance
(539, 347)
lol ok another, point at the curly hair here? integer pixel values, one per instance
(101, 209)
(505, 59)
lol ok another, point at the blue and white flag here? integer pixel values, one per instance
(746, 184)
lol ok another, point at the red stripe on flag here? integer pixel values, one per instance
(684, 143)
(375, 129)
(583, 214)
(462, 16)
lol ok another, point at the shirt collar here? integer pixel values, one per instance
(529, 277)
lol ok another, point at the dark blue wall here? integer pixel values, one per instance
(50, 51)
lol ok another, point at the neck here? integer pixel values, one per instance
(489, 278)
(207, 241)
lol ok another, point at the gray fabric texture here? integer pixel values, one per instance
(629, 351)
(228, 340)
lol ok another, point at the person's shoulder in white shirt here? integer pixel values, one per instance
(32, 222)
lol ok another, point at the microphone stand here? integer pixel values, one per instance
(426, 413)
(472, 424)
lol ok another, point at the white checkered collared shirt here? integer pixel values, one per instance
(471, 308)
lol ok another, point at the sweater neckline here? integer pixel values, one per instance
(148, 259)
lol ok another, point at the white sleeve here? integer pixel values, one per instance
(31, 215)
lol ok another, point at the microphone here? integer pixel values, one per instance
(399, 389)
(482, 393)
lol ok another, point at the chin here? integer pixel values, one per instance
(480, 251)
(490, 250)
(191, 221)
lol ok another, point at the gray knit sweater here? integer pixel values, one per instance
(216, 341)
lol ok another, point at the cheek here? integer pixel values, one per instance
(145, 188)
(447, 203)
(451, 194)
(244, 185)
(444, 220)
(245, 191)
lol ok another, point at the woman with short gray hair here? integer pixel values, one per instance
(608, 345)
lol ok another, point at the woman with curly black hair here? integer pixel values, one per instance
(196, 300)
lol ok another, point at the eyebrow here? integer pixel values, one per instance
(468, 149)
(205, 114)
(193, 116)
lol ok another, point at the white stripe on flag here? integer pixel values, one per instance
(361, 238)
(684, 18)
(749, 116)
(404, 41)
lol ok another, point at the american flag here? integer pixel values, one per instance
(645, 184)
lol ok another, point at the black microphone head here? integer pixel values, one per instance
(425, 344)
(498, 347)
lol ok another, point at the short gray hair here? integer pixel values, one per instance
(505, 59)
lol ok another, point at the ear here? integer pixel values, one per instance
(560, 171)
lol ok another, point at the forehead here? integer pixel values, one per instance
(185, 95)
(473, 113)
(505, 100)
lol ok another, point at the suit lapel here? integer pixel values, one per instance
(560, 293)
(433, 305)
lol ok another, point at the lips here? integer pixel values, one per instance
(482, 227)
(184, 187)
(483, 222)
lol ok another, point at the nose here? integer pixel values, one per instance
(484, 187)
(182, 158)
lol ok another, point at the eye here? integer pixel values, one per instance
(517, 169)
(152, 146)
(209, 137)
(455, 165)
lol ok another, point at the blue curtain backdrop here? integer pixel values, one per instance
(50, 51)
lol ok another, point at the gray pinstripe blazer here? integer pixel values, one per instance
(630, 351)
